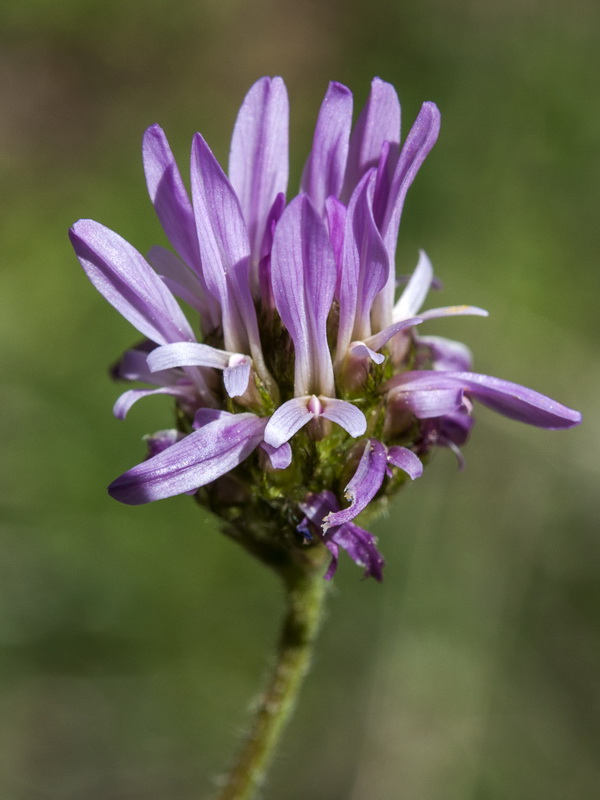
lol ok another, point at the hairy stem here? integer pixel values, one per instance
(305, 595)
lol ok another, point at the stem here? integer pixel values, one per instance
(305, 596)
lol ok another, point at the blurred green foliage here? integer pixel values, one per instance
(131, 639)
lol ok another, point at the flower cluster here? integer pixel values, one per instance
(306, 394)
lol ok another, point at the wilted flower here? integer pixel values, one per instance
(328, 399)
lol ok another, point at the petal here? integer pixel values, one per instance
(405, 460)
(360, 351)
(169, 196)
(324, 171)
(453, 311)
(365, 267)
(287, 420)
(280, 457)
(303, 272)
(224, 249)
(430, 402)
(236, 377)
(258, 160)
(419, 142)
(187, 354)
(200, 458)
(346, 415)
(379, 122)
(510, 399)
(159, 441)
(446, 354)
(415, 291)
(127, 399)
(183, 283)
(360, 545)
(380, 339)
(128, 282)
(363, 486)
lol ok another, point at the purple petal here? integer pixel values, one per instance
(200, 458)
(161, 440)
(336, 216)
(324, 171)
(446, 354)
(360, 545)
(264, 268)
(380, 339)
(169, 196)
(363, 486)
(405, 460)
(224, 249)
(185, 354)
(280, 457)
(379, 122)
(510, 399)
(236, 377)
(184, 284)
(128, 282)
(415, 291)
(287, 420)
(346, 415)
(365, 267)
(359, 350)
(453, 311)
(430, 402)
(129, 398)
(419, 142)
(258, 160)
(303, 272)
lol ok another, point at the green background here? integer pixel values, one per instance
(132, 639)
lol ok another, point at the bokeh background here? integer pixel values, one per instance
(132, 639)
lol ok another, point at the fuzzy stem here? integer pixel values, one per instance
(305, 595)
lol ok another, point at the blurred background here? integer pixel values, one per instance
(133, 639)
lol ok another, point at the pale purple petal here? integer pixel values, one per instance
(346, 415)
(280, 457)
(287, 420)
(415, 291)
(184, 284)
(127, 399)
(335, 212)
(380, 339)
(359, 350)
(185, 354)
(169, 196)
(509, 399)
(205, 415)
(453, 311)
(365, 267)
(200, 458)
(236, 377)
(419, 142)
(224, 249)
(405, 460)
(363, 486)
(264, 268)
(127, 281)
(161, 440)
(446, 354)
(258, 160)
(379, 122)
(431, 401)
(303, 272)
(324, 171)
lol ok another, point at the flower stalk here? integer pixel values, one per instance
(305, 596)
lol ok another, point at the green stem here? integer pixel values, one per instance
(305, 596)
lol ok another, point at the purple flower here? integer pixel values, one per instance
(306, 395)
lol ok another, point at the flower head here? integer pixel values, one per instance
(305, 394)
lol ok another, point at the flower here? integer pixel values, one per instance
(329, 400)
